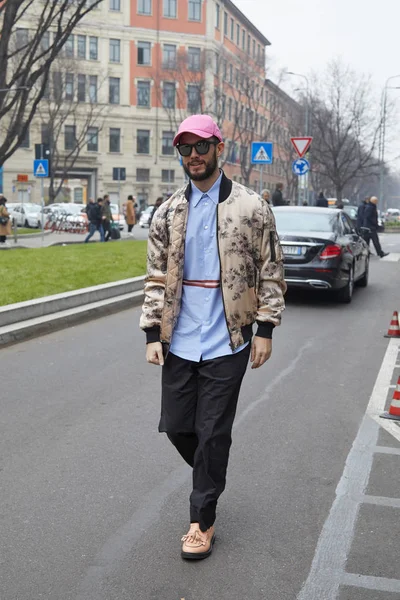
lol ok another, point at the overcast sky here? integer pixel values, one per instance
(306, 34)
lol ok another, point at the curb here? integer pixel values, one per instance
(25, 320)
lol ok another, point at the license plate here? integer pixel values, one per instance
(292, 250)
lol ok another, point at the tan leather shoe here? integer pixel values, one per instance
(196, 543)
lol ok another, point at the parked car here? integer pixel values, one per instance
(144, 220)
(351, 211)
(27, 215)
(322, 250)
(117, 216)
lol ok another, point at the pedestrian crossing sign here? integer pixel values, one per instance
(41, 167)
(262, 153)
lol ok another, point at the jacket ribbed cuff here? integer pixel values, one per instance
(152, 335)
(265, 329)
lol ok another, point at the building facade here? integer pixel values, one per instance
(130, 73)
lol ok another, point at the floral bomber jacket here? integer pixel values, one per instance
(252, 274)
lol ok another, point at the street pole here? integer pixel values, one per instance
(382, 142)
(261, 178)
(42, 199)
(306, 176)
(119, 190)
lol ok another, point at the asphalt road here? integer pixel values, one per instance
(93, 501)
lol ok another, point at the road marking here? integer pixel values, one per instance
(380, 584)
(393, 257)
(328, 567)
(387, 450)
(389, 426)
(381, 501)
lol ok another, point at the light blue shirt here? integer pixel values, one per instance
(201, 331)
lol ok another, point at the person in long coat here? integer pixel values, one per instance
(5, 229)
(130, 213)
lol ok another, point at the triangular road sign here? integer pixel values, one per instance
(262, 155)
(40, 170)
(301, 144)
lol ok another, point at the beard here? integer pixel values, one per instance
(210, 167)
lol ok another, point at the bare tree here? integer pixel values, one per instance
(345, 126)
(71, 117)
(26, 56)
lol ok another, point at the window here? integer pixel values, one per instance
(254, 48)
(142, 174)
(230, 109)
(194, 10)
(225, 23)
(45, 133)
(82, 46)
(230, 74)
(216, 63)
(237, 81)
(217, 15)
(81, 88)
(25, 141)
(113, 90)
(93, 89)
(167, 175)
(115, 139)
(69, 137)
(45, 41)
(93, 139)
(144, 49)
(167, 146)
(93, 47)
(143, 141)
(248, 43)
(232, 29)
(243, 39)
(143, 93)
(225, 70)
(57, 86)
(115, 50)
(22, 38)
(168, 99)
(69, 86)
(170, 9)
(115, 5)
(144, 7)
(193, 93)
(169, 56)
(238, 35)
(194, 59)
(69, 46)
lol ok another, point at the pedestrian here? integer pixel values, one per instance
(130, 214)
(266, 195)
(106, 214)
(158, 203)
(339, 204)
(199, 310)
(371, 222)
(277, 196)
(305, 203)
(5, 221)
(96, 220)
(361, 215)
(322, 201)
(88, 208)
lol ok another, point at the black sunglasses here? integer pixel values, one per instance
(202, 147)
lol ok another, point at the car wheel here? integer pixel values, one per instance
(346, 294)
(26, 224)
(363, 282)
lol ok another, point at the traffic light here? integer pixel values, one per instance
(43, 151)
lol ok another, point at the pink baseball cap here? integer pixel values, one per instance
(201, 125)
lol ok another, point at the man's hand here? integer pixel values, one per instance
(154, 354)
(261, 351)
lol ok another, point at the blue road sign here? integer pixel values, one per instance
(262, 153)
(301, 166)
(41, 167)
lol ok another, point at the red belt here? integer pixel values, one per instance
(206, 283)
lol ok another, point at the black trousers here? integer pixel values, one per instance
(198, 408)
(107, 229)
(373, 235)
(2, 239)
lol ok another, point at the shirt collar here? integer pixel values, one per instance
(213, 193)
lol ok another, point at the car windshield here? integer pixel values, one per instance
(31, 209)
(351, 211)
(149, 209)
(114, 208)
(72, 209)
(302, 220)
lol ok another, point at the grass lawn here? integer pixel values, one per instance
(36, 272)
(24, 230)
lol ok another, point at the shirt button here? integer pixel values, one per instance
(206, 227)
(205, 203)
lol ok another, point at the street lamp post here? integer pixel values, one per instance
(382, 139)
(307, 124)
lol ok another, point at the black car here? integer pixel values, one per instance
(322, 250)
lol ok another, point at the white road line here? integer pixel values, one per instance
(389, 426)
(381, 501)
(387, 450)
(380, 584)
(328, 566)
(393, 257)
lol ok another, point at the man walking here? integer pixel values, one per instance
(371, 222)
(214, 269)
(322, 201)
(361, 215)
(277, 196)
(96, 220)
(107, 217)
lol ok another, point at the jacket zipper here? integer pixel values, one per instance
(222, 287)
(272, 244)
